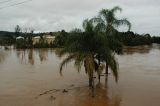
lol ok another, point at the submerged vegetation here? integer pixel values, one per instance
(95, 45)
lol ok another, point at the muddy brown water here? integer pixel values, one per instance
(31, 78)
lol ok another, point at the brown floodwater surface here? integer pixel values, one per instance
(31, 78)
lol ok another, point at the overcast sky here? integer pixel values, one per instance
(55, 15)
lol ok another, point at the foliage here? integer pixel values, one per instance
(131, 39)
(83, 47)
(155, 39)
(7, 38)
(17, 30)
(20, 43)
(60, 39)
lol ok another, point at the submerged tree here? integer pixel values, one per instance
(83, 47)
(80, 47)
(108, 22)
(95, 44)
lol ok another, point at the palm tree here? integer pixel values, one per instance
(80, 48)
(83, 47)
(111, 21)
(108, 22)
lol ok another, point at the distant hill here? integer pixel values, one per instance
(7, 35)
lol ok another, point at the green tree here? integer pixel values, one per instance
(108, 22)
(30, 36)
(17, 30)
(83, 47)
(61, 39)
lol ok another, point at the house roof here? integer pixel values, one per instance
(19, 37)
(49, 36)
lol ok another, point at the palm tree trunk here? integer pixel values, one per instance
(99, 76)
(93, 85)
(93, 88)
(90, 81)
(106, 68)
(106, 80)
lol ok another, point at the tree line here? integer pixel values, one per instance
(127, 38)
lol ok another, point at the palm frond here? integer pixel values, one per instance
(60, 52)
(97, 20)
(104, 14)
(115, 45)
(120, 22)
(113, 65)
(109, 58)
(116, 9)
(100, 27)
(85, 22)
(65, 61)
(89, 64)
(79, 61)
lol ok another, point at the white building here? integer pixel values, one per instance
(36, 39)
(19, 37)
(47, 38)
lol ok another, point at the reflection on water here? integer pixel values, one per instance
(24, 74)
(138, 49)
(3, 55)
(43, 55)
(102, 92)
(29, 55)
(82, 97)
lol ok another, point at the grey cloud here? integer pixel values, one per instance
(54, 15)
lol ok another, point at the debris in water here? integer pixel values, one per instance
(53, 98)
(65, 91)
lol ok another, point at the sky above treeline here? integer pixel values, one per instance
(55, 15)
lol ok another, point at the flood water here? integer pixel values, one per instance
(31, 78)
